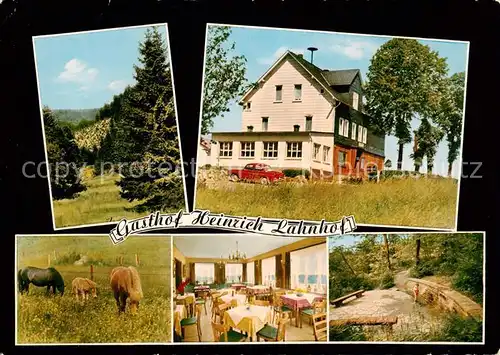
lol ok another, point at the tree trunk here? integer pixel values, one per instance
(347, 263)
(386, 242)
(400, 156)
(450, 169)
(417, 168)
(430, 166)
(417, 253)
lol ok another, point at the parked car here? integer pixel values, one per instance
(256, 172)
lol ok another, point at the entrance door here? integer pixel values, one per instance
(342, 163)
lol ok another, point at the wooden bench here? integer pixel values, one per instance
(337, 302)
(387, 322)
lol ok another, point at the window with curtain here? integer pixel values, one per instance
(308, 268)
(251, 273)
(234, 272)
(269, 271)
(204, 272)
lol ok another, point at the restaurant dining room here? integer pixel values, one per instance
(249, 288)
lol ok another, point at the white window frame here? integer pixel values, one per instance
(226, 149)
(362, 163)
(208, 268)
(316, 150)
(278, 88)
(266, 119)
(294, 150)
(297, 89)
(343, 127)
(310, 261)
(365, 134)
(251, 272)
(268, 271)
(270, 150)
(247, 149)
(326, 154)
(234, 267)
(360, 133)
(309, 119)
(355, 100)
(353, 130)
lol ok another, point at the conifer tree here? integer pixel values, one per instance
(148, 124)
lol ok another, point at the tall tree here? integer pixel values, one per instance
(64, 158)
(224, 76)
(404, 79)
(149, 125)
(387, 252)
(427, 137)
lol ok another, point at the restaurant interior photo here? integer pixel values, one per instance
(249, 288)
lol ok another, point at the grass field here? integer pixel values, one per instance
(402, 202)
(98, 204)
(49, 319)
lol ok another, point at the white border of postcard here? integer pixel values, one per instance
(43, 127)
(354, 34)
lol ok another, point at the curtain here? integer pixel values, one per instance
(251, 272)
(308, 268)
(192, 273)
(268, 271)
(287, 271)
(234, 272)
(279, 272)
(205, 273)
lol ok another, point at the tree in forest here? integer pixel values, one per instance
(224, 76)
(428, 138)
(64, 158)
(150, 131)
(404, 80)
(450, 115)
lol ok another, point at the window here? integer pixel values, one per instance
(308, 268)
(297, 94)
(279, 93)
(247, 149)
(362, 163)
(343, 127)
(269, 271)
(248, 106)
(234, 272)
(296, 128)
(353, 130)
(251, 273)
(309, 121)
(265, 121)
(326, 154)
(365, 132)
(294, 149)
(316, 151)
(342, 158)
(355, 100)
(204, 273)
(360, 133)
(249, 128)
(270, 149)
(226, 149)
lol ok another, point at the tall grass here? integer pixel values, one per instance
(55, 319)
(403, 202)
(98, 204)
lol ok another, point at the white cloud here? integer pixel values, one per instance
(355, 50)
(278, 53)
(117, 85)
(76, 71)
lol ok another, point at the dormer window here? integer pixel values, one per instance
(297, 93)
(355, 100)
(279, 93)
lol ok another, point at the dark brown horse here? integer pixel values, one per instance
(50, 278)
(126, 284)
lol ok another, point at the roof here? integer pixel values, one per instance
(340, 77)
(272, 133)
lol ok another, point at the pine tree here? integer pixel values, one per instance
(64, 158)
(149, 124)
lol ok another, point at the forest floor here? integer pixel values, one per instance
(100, 203)
(400, 202)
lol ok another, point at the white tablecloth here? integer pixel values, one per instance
(248, 320)
(240, 299)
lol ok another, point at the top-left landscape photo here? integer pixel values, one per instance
(110, 128)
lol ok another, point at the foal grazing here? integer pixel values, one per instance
(84, 287)
(126, 283)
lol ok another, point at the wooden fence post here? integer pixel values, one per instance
(48, 260)
(55, 256)
(92, 272)
(137, 259)
(121, 260)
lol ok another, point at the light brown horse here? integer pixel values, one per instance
(83, 287)
(126, 283)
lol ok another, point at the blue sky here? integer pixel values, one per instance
(85, 70)
(262, 47)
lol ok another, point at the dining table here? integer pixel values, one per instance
(257, 289)
(238, 286)
(248, 319)
(180, 312)
(188, 300)
(297, 301)
(237, 298)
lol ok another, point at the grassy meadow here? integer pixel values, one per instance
(48, 319)
(403, 202)
(100, 203)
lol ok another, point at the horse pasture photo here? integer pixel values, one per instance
(85, 290)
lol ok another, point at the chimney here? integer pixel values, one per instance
(312, 50)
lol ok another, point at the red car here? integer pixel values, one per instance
(256, 172)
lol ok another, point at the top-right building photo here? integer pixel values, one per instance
(315, 125)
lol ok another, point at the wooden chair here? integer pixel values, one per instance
(319, 326)
(192, 321)
(279, 308)
(318, 307)
(215, 306)
(221, 308)
(261, 303)
(271, 333)
(189, 303)
(222, 334)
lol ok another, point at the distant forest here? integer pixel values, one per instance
(76, 119)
